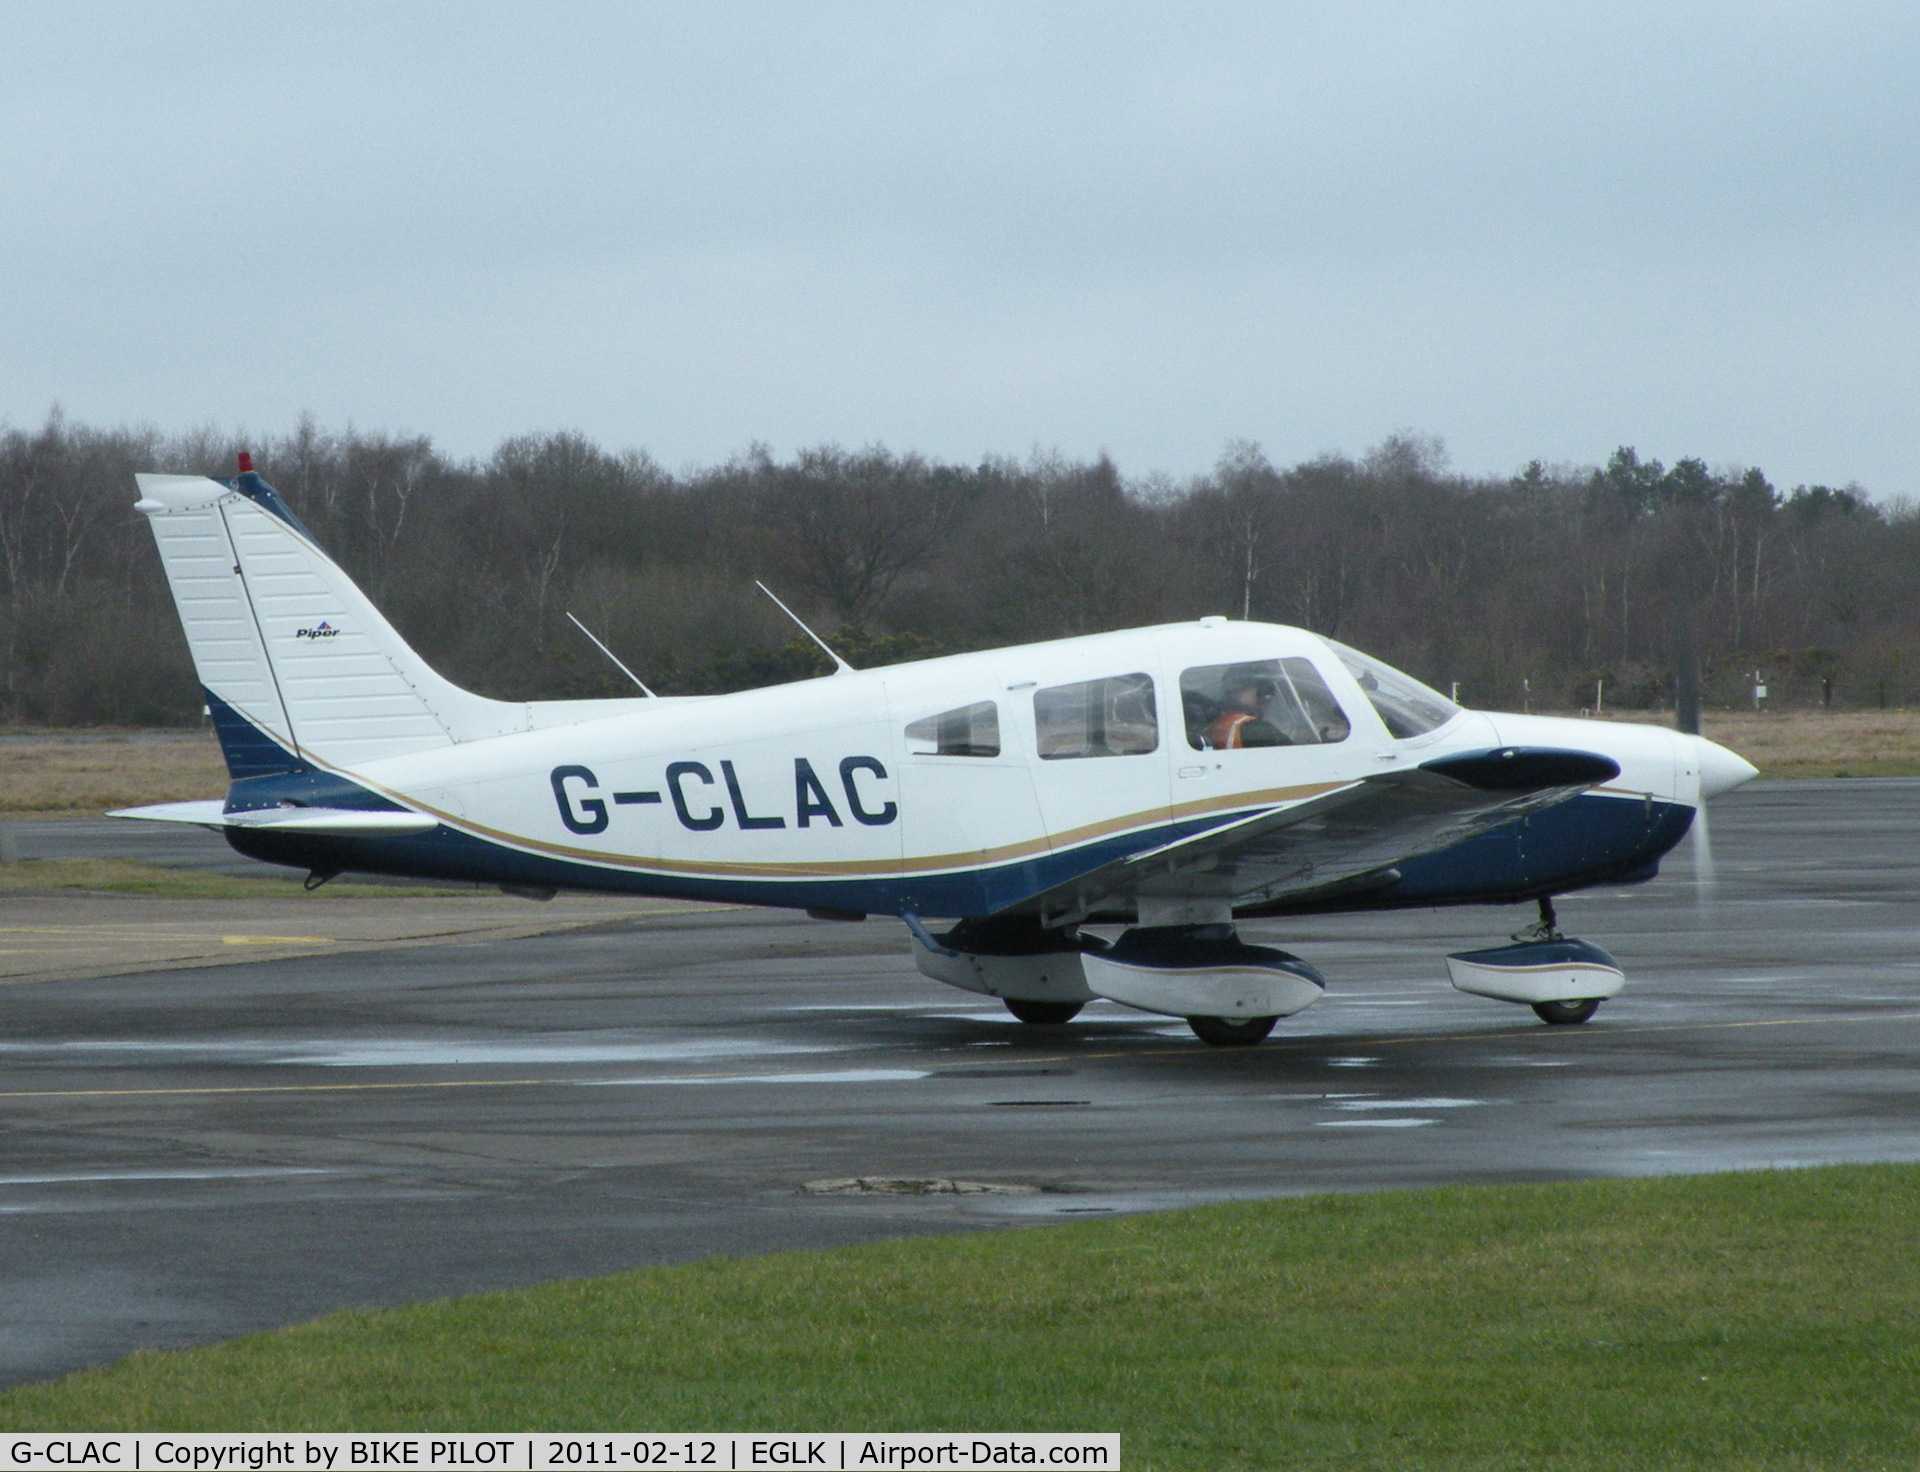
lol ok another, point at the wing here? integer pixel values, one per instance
(1348, 839)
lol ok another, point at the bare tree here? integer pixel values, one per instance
(847, 527)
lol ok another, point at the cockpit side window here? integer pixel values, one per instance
(1114, 716)
(1260, 702)
(967, 730)
(1407, 708)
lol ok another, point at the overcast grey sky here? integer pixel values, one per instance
(1535, 230)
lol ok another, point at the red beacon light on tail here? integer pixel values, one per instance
(246, 463)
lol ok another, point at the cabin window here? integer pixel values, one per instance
(1260, 702)
(1406, 707)
(1111, 717)
(968, 730)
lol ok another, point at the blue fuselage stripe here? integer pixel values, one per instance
(1588, 840)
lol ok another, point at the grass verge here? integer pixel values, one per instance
(1738, 1321)
(83, 773)
(1811, 743)
(126, 876)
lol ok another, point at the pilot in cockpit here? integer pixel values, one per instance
(1241, 720)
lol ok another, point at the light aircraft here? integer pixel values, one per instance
(1172, 780)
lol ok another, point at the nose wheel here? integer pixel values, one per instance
(1565, 1014)
(1564, 980)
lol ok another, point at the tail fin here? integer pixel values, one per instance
(298, 666)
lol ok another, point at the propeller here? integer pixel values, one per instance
(1716, 770)
(1706, 882)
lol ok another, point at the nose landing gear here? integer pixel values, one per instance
(1566, 1013)
(1564, 980)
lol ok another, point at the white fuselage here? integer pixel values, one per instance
(819, 780)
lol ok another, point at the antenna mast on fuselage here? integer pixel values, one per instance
(614, 657)
(840, 666)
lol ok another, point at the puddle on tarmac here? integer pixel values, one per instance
(1522, 1062)
(996, 1015)
(1364, 1104)
(1372, 1124)
(830, 1076)
(433, 1052)
(383, 1054)
(860, 1006)
(210, 1173)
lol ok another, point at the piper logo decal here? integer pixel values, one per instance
(321, 630)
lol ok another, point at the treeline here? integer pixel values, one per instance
(1528, 590)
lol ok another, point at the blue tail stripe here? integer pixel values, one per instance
(249, 751)
(249, 484)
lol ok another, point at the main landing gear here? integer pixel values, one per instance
(1224, 1032)
(1230, 993)
(1564, 980)
(1221, 1032)
(1043, 1014)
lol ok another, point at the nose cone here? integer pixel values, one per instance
(1720, 770)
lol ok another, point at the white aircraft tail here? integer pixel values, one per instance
(297, 665)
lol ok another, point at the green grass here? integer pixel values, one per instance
(1857, 767)
(125, 876)
(1734, 1321)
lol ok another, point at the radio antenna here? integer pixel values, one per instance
(614, 657)
(840, 666)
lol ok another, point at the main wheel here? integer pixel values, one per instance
(1562, 1014)
(1221, 1032)
(1043, 1014)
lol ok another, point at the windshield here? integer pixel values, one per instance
(1407, 707)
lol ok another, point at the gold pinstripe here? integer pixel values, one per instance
(862, 868)
(877, 868)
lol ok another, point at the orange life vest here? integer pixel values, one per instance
(1224, 732)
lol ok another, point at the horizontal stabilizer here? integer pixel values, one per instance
(335, 822)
